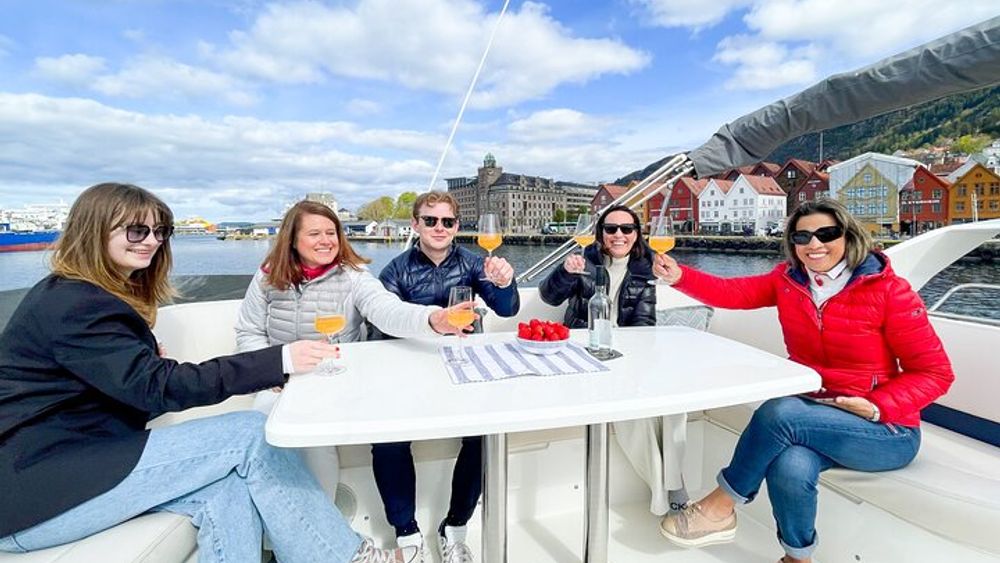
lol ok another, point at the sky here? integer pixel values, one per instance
(230, 109)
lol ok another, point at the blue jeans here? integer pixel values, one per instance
(233, 485)
(396, 478)
(789, 441)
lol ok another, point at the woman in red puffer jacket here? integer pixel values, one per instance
(846, 314)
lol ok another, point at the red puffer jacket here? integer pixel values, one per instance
(871, 340)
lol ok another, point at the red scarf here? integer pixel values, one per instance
(313, 273)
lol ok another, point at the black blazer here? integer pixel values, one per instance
(79, 378)
(636, 298)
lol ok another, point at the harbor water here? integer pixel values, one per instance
(206, 255)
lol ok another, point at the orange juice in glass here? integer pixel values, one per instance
(459, 318)
(489, 238)
(331, 319)
(584, 235)
(661, 237)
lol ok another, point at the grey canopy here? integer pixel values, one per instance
(966, 60)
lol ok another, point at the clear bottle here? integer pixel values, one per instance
(599, 316)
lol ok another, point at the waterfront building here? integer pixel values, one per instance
(816, 185)
(366, 228)
(682, 205)
(868, 185)
(923, 202)
(326, 198)
(606, 193)
(791, 177)
(394, 228)
(711, 206)
(755, 205)
(522, 203)
(991, 156)
(974, 194)
(763, 168)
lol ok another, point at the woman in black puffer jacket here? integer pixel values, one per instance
(627, 261)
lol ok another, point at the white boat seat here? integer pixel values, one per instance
(951, 489)
(152, 538)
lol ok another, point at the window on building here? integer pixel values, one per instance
(868, 178)
(994, 189)
(960, 206)
(936, 207)
(961, 191)
(936, 194)
(918, 194)
(979, 205)
(802, 196)
(994, 205)
(920, 208)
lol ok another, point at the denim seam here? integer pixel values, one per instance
(307, 523)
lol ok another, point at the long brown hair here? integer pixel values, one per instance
(283, 265)
(81, 253)
(857, 242)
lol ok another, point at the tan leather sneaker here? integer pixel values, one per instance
(693, 528)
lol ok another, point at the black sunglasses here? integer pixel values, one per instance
(823, 234)
(138, 233)
(626, 229)
(430, 221)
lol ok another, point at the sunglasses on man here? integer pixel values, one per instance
(430, 221)
(626, 229)
(138, 233)
(822, 234)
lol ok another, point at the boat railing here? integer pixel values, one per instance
(936, 311)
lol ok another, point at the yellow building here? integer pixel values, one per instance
(974, 195)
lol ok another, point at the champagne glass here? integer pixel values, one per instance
(661, 237)
(584, 235)
(331, 318)
(489, 238)
(460, 318)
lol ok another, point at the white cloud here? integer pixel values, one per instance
(557, 124)
(75, 69)
(793, 42)
(696, 14)
(763, 65)
(205, 162)
(360, 107)
(6, 44)
(153, 76)
(422, 44)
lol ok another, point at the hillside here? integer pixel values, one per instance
(963, 114)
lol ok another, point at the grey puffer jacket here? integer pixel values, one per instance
(271, 316)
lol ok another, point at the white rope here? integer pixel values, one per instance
(468, 95)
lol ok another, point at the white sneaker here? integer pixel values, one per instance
(368, 553)
(415, 540)
(451, 543)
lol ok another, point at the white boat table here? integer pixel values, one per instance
(399, 390)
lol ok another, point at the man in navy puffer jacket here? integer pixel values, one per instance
(424, 275)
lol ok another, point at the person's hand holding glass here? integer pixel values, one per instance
(331, 319)
(460, 318)
(583, 236)
(661, 237)
(490, 239)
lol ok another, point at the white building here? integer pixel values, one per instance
(712, 206)
(756, 204)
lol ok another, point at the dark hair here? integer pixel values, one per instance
(857, 243)
(282, 264)
(639, 249)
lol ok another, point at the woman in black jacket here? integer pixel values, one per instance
(80, 376)
(620, 249)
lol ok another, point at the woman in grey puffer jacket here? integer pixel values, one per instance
(312, 261)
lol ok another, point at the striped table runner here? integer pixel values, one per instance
(491, 362)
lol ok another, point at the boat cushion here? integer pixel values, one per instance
(160, 537)
(951, 489)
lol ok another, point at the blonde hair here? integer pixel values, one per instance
(81, 252)
(282, 264)
(434, 197)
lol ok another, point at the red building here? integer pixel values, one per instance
(923, 202)
(768, 169)
(605, 195)
(791, 177)
(814, 186)
(683, 204)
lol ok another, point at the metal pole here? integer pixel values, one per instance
(595, 528)
(495, 498)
